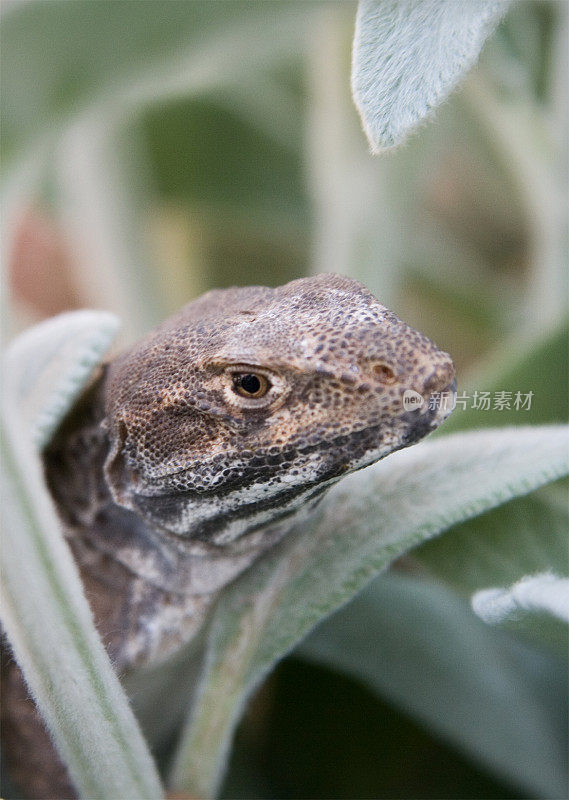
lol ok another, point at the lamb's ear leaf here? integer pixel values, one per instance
(48, 366)
(512, 563)
(545, 594)
(409, 55)
(367, 521)
(44, 612)
(418, 645)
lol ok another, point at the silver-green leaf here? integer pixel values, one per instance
(44, 611)
(409, 55)
(542, 593)
(47, 367)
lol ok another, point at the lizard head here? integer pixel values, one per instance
(251, 401)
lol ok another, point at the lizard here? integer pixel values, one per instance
(193, 452)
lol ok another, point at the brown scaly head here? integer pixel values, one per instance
(251, 401)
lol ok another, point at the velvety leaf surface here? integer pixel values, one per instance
(44, 611)
(48, 366)
(368, 520)
(408, 56)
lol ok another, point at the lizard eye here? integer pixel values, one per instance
(250, 384)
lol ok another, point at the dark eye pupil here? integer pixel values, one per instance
(250, 384)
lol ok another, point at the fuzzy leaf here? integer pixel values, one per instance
(418, 645)
(409, 55)
(524, 538)
(543, 593)
(47, 367)
(44, 611)
(368, 520)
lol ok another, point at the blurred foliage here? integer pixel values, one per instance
(316, 733)
(172, 147)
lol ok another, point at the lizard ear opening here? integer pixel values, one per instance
(119, 476)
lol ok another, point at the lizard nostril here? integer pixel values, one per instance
(384, 373)
(439, 379)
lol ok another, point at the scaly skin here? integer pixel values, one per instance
(192, 451)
